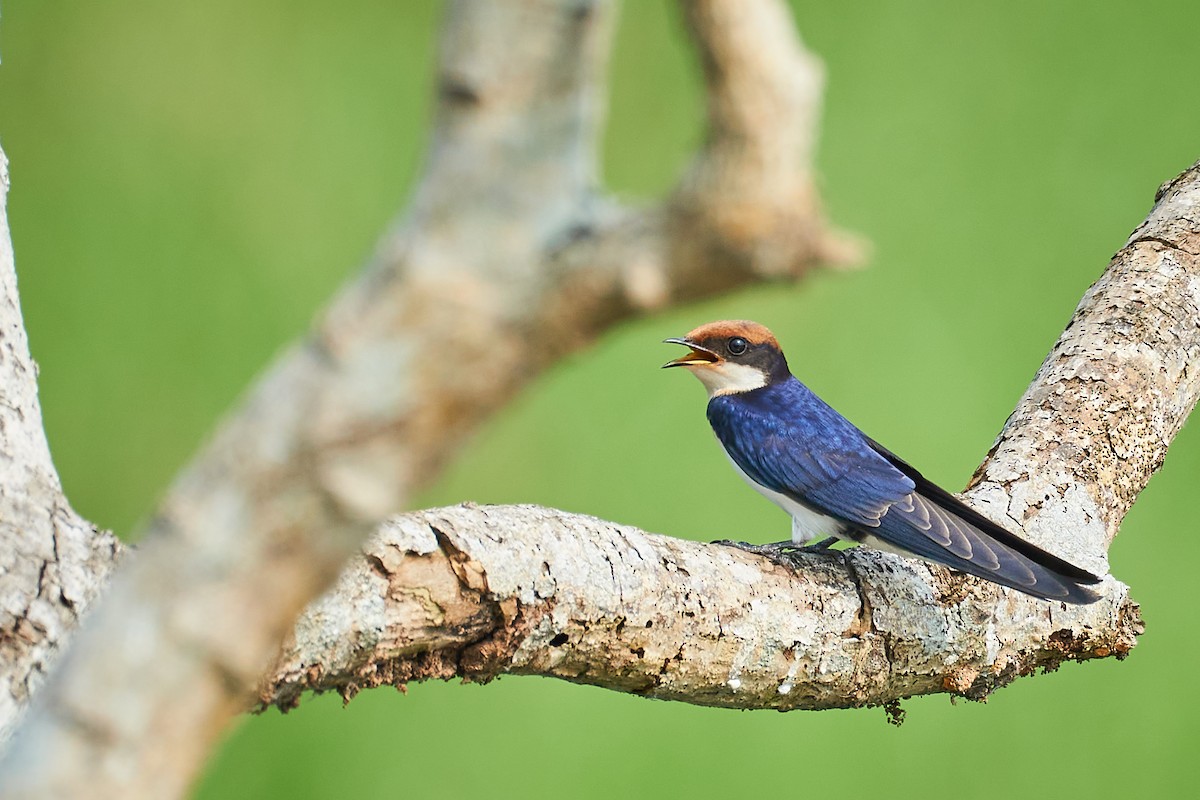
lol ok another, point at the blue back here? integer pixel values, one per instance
(791, 441)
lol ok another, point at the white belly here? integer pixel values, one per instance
(806, 523)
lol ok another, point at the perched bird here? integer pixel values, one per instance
(833, 479)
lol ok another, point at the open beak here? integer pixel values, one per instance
(698, 357)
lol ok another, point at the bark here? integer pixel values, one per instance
(507, 259)
(438, 332)
(475, 592)
(53, 563)
(1113, 392)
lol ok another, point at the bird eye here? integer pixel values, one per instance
(736, 346)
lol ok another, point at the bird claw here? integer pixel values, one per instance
(820, 547)
(785, 553)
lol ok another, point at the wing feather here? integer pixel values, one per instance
(811, 458)
(787, 439)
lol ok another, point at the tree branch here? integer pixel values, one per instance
(506, 261)
(1113, 392)
(53, 562)
(474, 592)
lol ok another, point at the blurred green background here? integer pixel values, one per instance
(190, 181)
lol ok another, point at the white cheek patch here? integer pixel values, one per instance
(729, 378)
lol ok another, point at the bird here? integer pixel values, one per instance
(833, 479)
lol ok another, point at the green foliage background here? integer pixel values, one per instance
(191, 180)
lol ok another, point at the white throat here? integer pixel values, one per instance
(729, 378)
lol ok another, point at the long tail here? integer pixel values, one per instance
(937, 526)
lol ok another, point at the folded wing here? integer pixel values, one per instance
(936, 525)
(816, 457)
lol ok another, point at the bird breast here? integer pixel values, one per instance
(807, 524)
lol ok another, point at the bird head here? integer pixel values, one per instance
(732, 356)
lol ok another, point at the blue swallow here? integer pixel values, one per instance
(834, 480)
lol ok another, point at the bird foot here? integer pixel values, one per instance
(785, 553)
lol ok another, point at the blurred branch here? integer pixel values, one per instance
(506, 260)
(475, 592)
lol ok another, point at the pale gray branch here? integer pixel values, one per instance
(478, 591)
(53, 563)
(475, 592)
(1114, 391)
(506, 260)
(506, 248)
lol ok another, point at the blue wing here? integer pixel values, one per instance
(786, 438)
(789, 440)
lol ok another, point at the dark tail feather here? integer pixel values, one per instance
(956, 544)
(940, 527)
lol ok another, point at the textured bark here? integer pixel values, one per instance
(474, 592)
(506, 260)
(52, 562)
(1112, 394)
